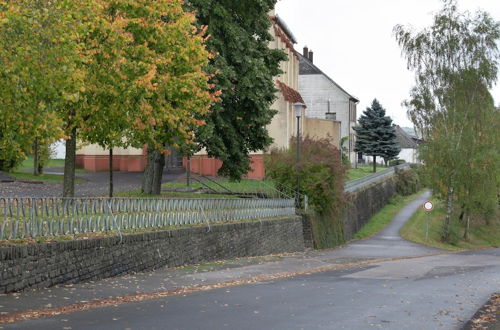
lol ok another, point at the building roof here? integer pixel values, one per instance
(284, 27)
(405, 140)
(282, 32)
(290, 94)
(306, 67)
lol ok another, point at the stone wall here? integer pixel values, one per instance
(48, 264)
(365, 203)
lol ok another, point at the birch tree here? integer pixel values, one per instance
(455, 63)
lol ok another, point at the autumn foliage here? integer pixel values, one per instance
(322, 178)
(116, 73)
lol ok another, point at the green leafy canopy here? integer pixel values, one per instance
(245, 66)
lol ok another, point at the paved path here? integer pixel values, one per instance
(353, 287)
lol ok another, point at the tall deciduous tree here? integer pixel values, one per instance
(109, 112)
(37, 75)
(168, 54)
(246, 66)
(455, 63)
(375, 135)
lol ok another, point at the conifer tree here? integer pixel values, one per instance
(375, 135)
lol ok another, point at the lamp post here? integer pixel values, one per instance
(298, 107)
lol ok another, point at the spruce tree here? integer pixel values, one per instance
(375, 135)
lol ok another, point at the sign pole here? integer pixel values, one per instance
(427, 227)
(428, 206)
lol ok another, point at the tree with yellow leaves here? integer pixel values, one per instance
(37, 75)
(117, 73)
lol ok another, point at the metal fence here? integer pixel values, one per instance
(354, 185)
(49, 217)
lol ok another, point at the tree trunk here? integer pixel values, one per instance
(188, 171)
(467, 227)
(151, 181)
(111, 172)
(69, 165)
(449, 209)
(40, 168)
(374, 164)
(159, 165)
(147, 178)
(36, 157)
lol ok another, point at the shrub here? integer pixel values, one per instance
(407, 182)
(45, 151)
(396, 162)
(320, 169)
(10, 157)
(322, 178)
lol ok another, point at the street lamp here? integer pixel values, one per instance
(298, 107)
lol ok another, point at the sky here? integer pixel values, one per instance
(353, 43)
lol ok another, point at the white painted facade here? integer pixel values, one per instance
(322, 95)
(317, 92)
(409, 155)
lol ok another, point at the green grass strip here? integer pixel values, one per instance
(362, 171)
(482, 235)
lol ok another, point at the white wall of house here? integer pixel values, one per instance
(317, 90)
(409, 155)
(59, 150)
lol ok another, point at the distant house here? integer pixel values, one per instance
(326, 100)
(408, 145)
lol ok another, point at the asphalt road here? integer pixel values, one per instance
(421, 288)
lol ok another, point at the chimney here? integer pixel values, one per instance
(311, 56)
(306, 52)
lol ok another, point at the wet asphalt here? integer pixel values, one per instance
(421, 288)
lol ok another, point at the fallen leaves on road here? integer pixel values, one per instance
(138, 297)
(489, 314)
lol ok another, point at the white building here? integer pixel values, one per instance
(408, 145)
(325, 99)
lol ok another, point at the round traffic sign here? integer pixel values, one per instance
(428, 206)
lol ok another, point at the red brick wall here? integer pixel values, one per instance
(120, 163)
(204, 165)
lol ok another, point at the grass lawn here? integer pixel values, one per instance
(243, 186)
(27, 164)
(385, 215)
(30, 177)
(25, 171)
(481, 235)
(139, 194)
(362, 171)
